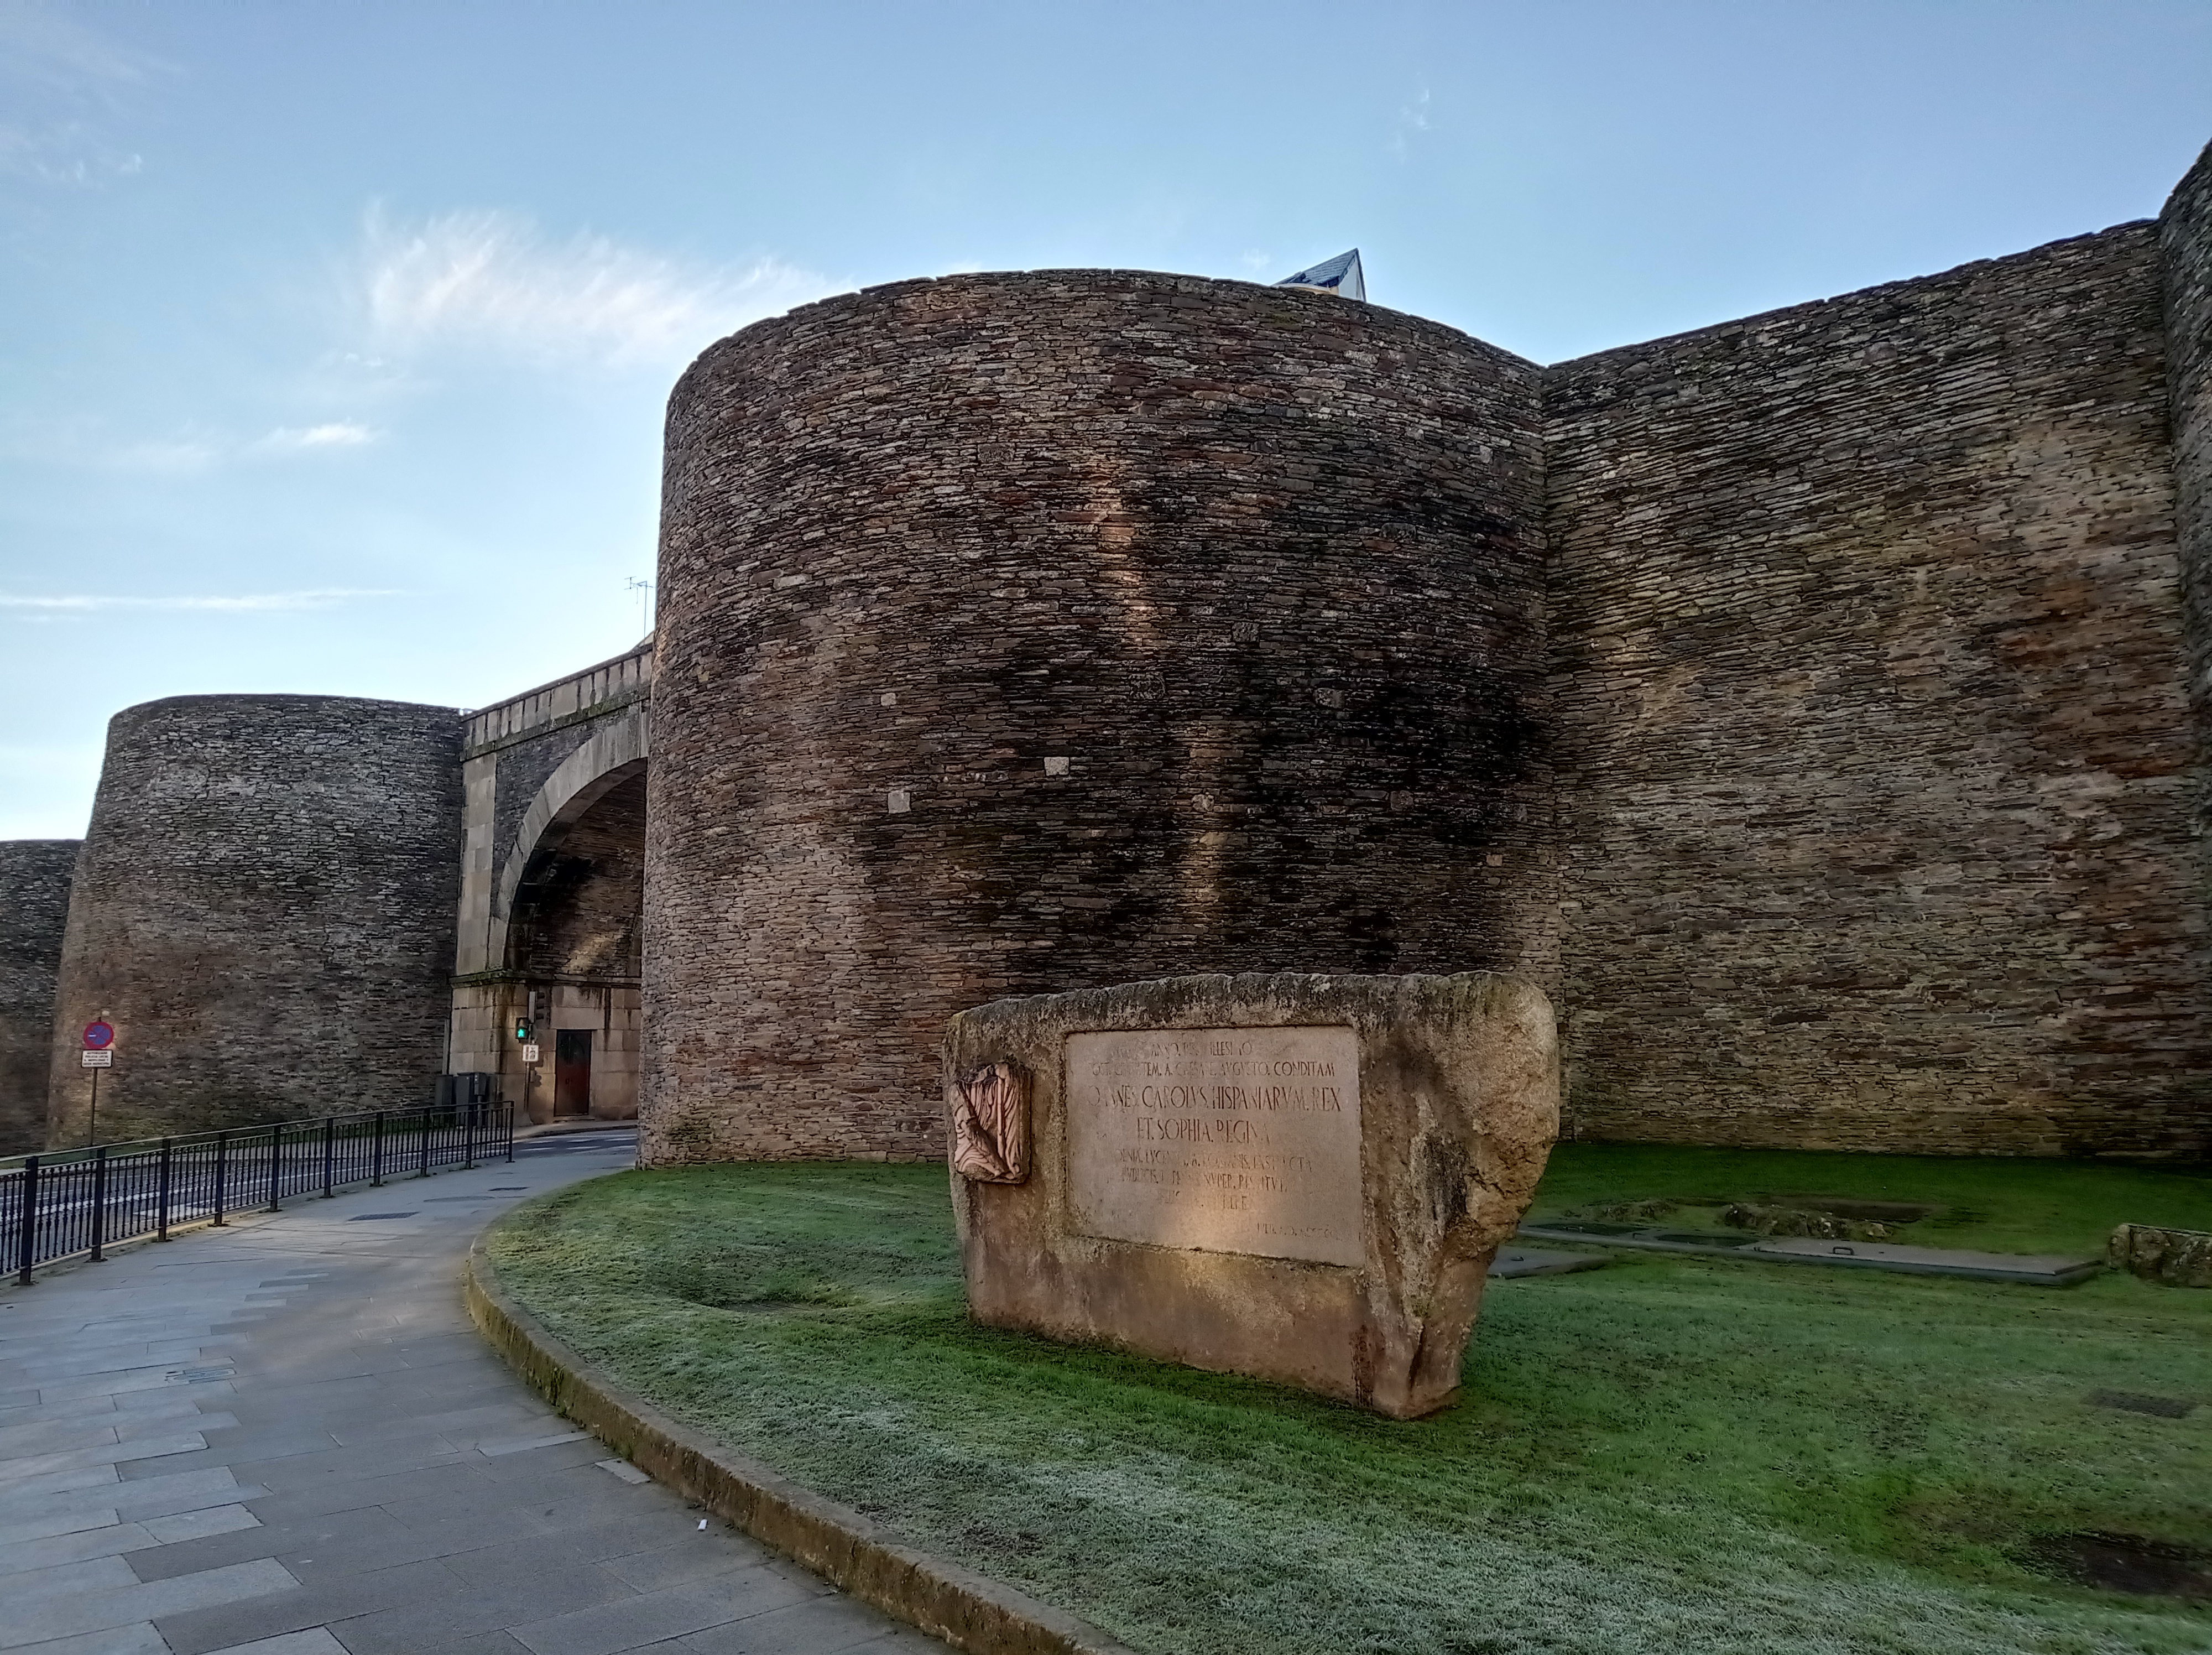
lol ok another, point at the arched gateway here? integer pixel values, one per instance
(552, 893)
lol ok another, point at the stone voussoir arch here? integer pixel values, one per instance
(615, 753)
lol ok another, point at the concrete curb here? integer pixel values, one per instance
(968, 1610)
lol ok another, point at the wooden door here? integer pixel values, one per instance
(571, 1071)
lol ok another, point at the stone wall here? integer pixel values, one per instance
(34, 889)
(2184, 232)
(1026, 633)
(1871, 672)
(264, 909)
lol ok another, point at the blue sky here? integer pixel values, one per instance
(334, 335)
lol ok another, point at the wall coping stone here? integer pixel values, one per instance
(968, 1610)
(620, 680)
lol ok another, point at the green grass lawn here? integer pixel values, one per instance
(1669, 1454)
(1996, 1206)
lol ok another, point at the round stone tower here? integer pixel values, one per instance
(265, 910)
(1024, 633)
(34, 880)
(2184, 234)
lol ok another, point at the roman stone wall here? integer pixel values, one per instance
(264, 909)
(2184, 231)
(1871, 670)
(34, 887)
(1026, 633)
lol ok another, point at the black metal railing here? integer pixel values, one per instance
(75, 1202)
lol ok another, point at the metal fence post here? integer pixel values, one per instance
(161, 1192)
(376, 1151)
(275, 1166)
(26, 1229)
(222, 1172)
(468, 1136)
(507, 1130)
(330, 1153)
(99, 1202)
(426, 1144)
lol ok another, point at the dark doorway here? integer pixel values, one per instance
(571, 1071)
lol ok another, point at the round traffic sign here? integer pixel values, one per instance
(98, 1036)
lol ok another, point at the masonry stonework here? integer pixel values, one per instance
(1877, 759)
(1817, 707)
(34, 888)
(2184, 234)
(1026, 633)
(264, 909)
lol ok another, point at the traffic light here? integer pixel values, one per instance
(522, 1028)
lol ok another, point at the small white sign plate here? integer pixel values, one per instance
(529, 1054)
(97, 1060)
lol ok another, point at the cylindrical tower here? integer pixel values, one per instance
(264, 911)
(34, 887)
(1024, 633)
(2185, 239)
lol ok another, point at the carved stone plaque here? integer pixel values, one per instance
(991, 1126)
(1235, 1140)
(1296, 1176)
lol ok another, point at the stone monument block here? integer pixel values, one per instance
(1301, 1179)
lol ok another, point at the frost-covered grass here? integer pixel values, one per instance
(1665, 1455)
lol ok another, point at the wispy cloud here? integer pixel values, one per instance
(306, 439)
(92, 602)
(1413, 117)
(48, 46)
(177, 456)
(187, 452)
(63, 152)
(64, 85)
(494, 281)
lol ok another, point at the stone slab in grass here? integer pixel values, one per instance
(2036, 1270)
(2055, 1269)
(1512, 1263)
(1300, 1178)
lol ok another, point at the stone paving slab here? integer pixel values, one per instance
(284, 1437)
(2043, 1270)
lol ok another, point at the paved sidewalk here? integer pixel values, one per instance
(285, 1437)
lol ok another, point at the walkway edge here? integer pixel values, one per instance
(969, 1611)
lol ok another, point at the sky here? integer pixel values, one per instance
(335, 335)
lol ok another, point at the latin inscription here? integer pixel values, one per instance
(1233, 1141)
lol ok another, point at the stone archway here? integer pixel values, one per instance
(552, 915)
(574, 930)
(609, 758)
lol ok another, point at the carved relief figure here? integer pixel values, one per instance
(991, 1125)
